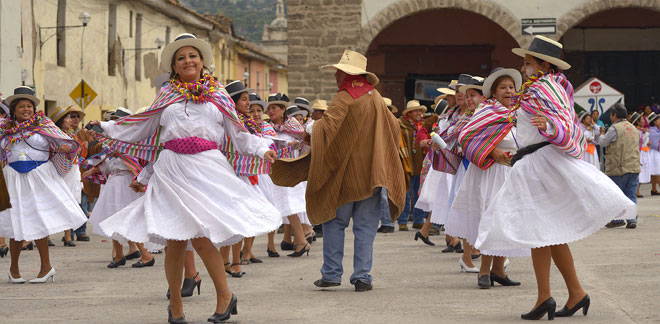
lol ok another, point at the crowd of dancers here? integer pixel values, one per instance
(495, 164)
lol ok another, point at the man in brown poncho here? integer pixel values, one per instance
(355, 171)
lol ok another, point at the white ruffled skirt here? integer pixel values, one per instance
(592, 159)
(445, 211)
(441, 205)
(645, 160)
(654, 162)
(191, 196)
(114, 196)
(72, 180)
(550, 198)
(42, 204)
(288, 200)
(474, 196)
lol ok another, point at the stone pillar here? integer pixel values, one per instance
(318, 33)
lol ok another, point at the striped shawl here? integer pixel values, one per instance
(487, 127)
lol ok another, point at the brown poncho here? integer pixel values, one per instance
(354, 151)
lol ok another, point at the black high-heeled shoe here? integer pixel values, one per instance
(584, 304)
(237, 274)
(272, 254)
(228, 271)
(115, 264)
(548, 306)
(301, 252)
(287, 246)
(231, 310)
(69, 243)
(310, 237)
(172, 320)
(29, 247)
(426, 240)
(189, 285)
(502, 281)
(3, 251)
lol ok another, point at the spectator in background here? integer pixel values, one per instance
(654, 105)
(622, 159)
(594, 116)
(645, 116)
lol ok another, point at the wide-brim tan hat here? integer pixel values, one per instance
(545, 49)
(413, 105)
(498, 72)
(353, 63)
(58, 113)
(23, 92)
(449, 90)
(320, 104)
(389, 104)
(184, 40)
(78, 110)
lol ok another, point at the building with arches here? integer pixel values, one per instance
(407, 41)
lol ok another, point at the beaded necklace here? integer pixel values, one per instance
(199, 91)
(23, 130)
(249, 122)
(517, 99)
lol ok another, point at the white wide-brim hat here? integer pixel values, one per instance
(353, 63)
(23, 92)
(184, 40)
(546, 49)
(476, 83)
(449, 91)
(498, 72)
(413, 105)
(389, 104)
(295, 110)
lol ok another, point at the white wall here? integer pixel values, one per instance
(10, 46)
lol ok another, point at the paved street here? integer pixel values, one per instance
(413, 283)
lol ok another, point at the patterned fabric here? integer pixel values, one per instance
(654, 138)
(292, 127)
(132, 163)
(63, 161)
(355, 85)
(551, 96)
(190, 145)
(267, 129)
(484, 132)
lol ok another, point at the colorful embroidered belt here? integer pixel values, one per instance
(190, 145)
(25, 166)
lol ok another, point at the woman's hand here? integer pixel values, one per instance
(500, 156)
(540, 122)
(425, 144)
(65, 148)
(90, 172)
(270, 156)
(137, 187)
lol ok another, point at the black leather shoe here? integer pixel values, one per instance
(237, 274)
(475, 256)
(286, 246)
(69, 243)
(503, 281)
(325, 284)
(134, 255)
(426, 240)
(484, 282)
(141, 264)
(434, 231)
(614, 224)
(584, 304)
(231, 310)
(362, 286)
(631, 225)
(548, 306)
(189, 285)
(115, 264)
(448, 249)
(386, 229)
(655, 193)
(458, 248)
(272, 254)
(82, 238)
(172, 320)
(50, 242)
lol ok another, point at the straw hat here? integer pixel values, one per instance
(320, 104)
(353, 63)
(59, 113)
(583, 114)
(23, 92)
(546, 49)
(475, 82)
(236, 87)
(78, 110)
(634, 118)
(413, 105)
(390, 106)
(498, 72)
(451, 90)
(141, 110)
(121, 112)
(184, 40)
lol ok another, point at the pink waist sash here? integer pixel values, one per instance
(190, 145)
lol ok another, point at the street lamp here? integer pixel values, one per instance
(84, 18)
(246, 75)
(159, 44)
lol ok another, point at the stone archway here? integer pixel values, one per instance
(582, 12)
(401, 9)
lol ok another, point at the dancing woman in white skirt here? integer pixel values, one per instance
(488, 142)
(35, 154)
(591, 133)
(194, 193)
(536, 206)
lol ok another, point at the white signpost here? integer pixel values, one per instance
(595, 94)
(539, 26)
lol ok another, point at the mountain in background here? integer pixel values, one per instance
(248, 16)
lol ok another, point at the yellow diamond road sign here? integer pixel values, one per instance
(83, 94)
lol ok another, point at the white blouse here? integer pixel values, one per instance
(188, 119)
(38, 151)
